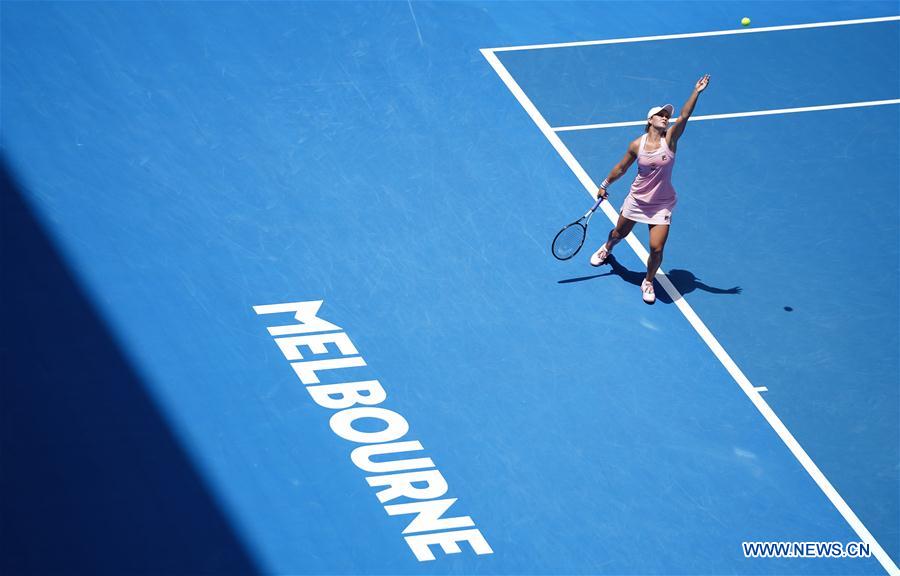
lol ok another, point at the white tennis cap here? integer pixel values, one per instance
(658, 109)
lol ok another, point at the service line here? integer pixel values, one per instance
(734, 115)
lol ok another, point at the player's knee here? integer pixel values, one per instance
(656, 251)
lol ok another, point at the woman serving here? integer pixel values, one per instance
(652, 197)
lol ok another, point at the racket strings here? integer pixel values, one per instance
(568, 241)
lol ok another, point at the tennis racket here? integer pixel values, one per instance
(570, 239)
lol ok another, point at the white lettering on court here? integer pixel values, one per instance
(415, 479)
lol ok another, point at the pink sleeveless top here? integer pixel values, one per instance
(652, 188)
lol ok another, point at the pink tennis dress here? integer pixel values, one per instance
(652, 197)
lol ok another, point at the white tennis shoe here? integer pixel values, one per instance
(600, 256)
(647, 292)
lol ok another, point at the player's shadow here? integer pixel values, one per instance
(683, 280)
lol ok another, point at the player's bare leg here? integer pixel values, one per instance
(659, 233)
(622, 229)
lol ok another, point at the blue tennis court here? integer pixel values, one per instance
(279, 299)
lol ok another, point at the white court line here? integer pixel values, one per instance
(734, 115)
(698, 325)
(695, 34)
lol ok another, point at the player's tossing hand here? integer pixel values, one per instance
(702, 83)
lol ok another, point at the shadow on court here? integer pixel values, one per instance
(91, 479)
(683, 280)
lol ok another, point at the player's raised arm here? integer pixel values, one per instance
(686, 110)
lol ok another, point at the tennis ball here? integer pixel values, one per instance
(745, 21)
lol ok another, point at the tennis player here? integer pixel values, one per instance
(652, 197)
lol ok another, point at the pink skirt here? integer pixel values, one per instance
(656, 213)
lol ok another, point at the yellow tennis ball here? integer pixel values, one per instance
(745, 21)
